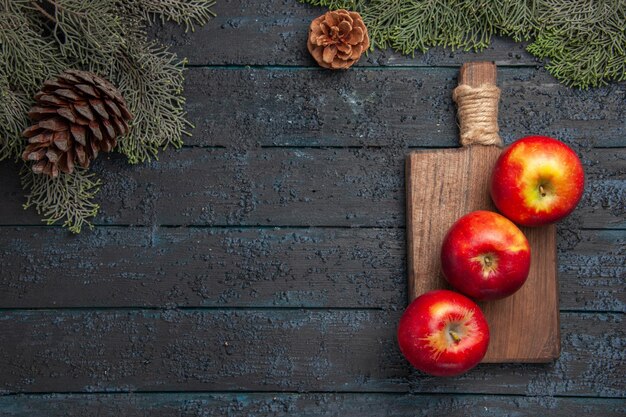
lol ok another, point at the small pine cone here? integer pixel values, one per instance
(76, 115)
(337, 39)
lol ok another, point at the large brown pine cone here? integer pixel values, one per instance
(337, 39)
(76, 115)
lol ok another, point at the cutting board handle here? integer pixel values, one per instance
(477, 97)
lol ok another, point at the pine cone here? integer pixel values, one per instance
(337, 39)
(76, 115)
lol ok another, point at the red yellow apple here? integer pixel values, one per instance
(537, 180)
(485, 256)
(443, 333)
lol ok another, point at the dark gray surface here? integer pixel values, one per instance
(258, 267)
(278, 404)
(278, 349)
(264, 272)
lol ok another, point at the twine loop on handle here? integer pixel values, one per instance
(478, 114)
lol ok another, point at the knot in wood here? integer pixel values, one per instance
(478, 114)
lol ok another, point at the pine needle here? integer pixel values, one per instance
(583, 41)
(13, 119)
(27, 58)
(182, 12)
(67, 199)
(151, 80)
(87, 31)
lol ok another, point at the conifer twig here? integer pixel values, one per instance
(43, 11)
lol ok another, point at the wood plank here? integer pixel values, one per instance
(303, 405)
(592, 270)
(391, 107)
(206, 267)
(202, 267)
(273, 32)
(288, 187)
(277, 350)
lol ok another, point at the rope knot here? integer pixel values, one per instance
(478, 114)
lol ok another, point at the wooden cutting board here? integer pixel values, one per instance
(443, 185)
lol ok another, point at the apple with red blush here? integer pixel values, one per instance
(485, 256)
(537, 180)
(443, 333)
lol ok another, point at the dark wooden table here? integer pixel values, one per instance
(261, 269)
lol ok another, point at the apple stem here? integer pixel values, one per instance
(542, 191)
(487, 261)
(454, 337)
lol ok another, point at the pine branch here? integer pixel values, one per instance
(26, 57)
(13, 120)
(86, 31)
(584, 41)
(67, 199)
(151, 80)
(44, 12)
(337, 4)
(182, 12)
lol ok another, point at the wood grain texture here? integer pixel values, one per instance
(444, 185)
(202, 267)
(277, 350)
(276, 404)
(289, 187)
(391, 108)
(259, 267)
